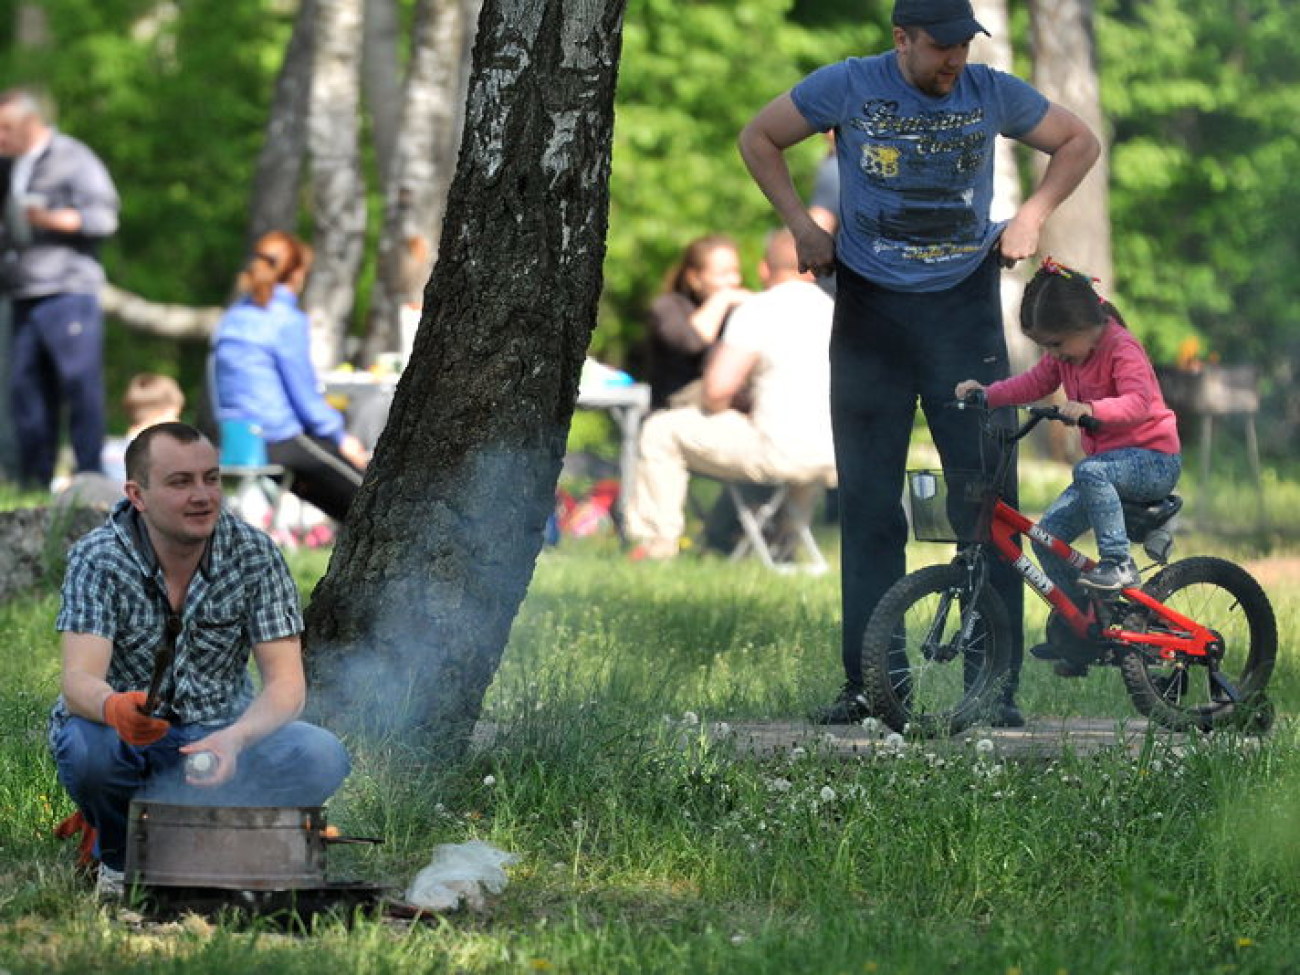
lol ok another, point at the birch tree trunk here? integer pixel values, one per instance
(1065, 70)
(338, 189)
(277, 180)
(1078, 233)
(996, 51)
(407, 627)
(416, 188)
(382, 79)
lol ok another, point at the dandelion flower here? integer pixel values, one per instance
(984, 746)
(827, 794)
(489, 780)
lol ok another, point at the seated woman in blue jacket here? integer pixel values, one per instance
(264, 375)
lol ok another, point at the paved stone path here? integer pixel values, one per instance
(1042, 737)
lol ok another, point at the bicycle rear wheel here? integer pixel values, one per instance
(1187, 693)
(935, 654)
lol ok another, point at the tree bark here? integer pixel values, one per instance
(278, 179)
(338, 189)
(1065, 70)
(407, 627)
(1078, 233)
(996, 51)
(416, 188)
(382, 80)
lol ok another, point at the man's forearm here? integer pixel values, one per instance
(271, 710)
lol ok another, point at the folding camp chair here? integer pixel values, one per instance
(777, 528)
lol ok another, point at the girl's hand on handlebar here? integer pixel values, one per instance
(966, 388)
(1074, 412)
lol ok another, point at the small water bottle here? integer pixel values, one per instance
(200, 765)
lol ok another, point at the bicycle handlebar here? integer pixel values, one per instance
(976, 399)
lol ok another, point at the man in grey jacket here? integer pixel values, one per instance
(60, 205)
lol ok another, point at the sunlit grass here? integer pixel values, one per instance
(651, 841)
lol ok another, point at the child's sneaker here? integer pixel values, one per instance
(1111, 576)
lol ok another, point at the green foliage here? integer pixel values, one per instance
(1203, 101)
(174, 99)
(651, 839)
(691, 76)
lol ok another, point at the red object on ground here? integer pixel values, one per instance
(76, 825)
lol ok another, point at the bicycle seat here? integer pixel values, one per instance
(1143, 517)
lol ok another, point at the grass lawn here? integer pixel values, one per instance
(647, 845)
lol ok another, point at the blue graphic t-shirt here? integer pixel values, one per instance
(916, 172)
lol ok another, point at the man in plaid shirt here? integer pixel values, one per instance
(173, 594)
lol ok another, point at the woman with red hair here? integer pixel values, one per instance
(264, 376)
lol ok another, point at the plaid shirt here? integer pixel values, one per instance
(241, 595)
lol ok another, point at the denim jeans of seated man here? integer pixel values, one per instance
(298, 765)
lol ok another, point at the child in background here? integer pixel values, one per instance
(149, 399)
(1134, 454)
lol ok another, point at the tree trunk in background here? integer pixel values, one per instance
(381, 79)
(416, 187)
(31, 26)
(278, 179)
(1078, 233)
(1065, 70)
(407, 628)
(996, 51)
(338, 189)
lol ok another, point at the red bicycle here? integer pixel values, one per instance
(1195, 645)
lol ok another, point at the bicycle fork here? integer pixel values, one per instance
(934, 648)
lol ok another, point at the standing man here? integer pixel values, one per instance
(60, 206)
(162, 607)
(916, 260)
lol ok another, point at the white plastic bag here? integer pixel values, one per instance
(460, 872)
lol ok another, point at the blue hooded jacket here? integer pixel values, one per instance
(264, 373)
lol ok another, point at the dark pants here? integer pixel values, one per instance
(890, 349)
(57, 356)
(321, 475)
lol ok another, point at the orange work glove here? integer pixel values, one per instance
(122, 711)
(70, 827)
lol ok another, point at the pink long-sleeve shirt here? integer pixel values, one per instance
(1117, 380)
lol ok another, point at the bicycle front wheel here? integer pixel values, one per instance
(1189, 693)
(936, 652)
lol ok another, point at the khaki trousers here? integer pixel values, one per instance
(678, 442)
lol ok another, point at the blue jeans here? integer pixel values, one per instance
(56, 358)
(1101, 482)
(889, 350)
(298, 765)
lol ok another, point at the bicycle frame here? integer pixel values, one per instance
(1184, 636)
(1178, 636)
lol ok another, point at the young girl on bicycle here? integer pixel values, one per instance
(1132, 456)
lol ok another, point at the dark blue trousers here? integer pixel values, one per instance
(57, 358)
(889, 351)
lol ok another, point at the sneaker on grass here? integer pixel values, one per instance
(849, 708)
(110, 885)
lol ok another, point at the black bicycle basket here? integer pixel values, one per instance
(950, 506)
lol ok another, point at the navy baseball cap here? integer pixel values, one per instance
(947, 21)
